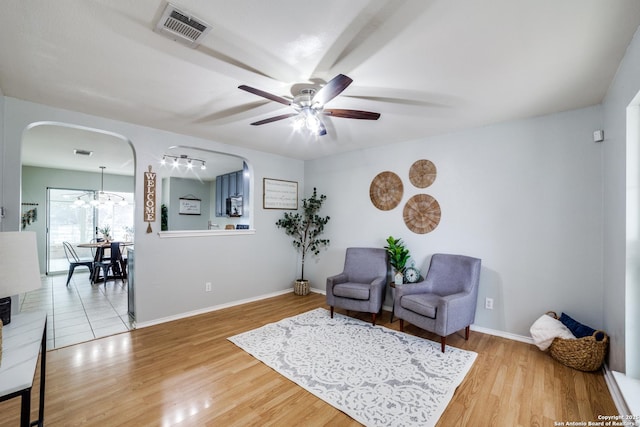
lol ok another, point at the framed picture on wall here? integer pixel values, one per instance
(279, 194)
(189, 206)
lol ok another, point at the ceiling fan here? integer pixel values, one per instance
(309, 105)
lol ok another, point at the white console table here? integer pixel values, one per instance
(22, 340)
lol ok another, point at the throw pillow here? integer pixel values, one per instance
(577, 328)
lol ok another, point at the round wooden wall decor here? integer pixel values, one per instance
(422, 173)
(386, 190)
(421, 213)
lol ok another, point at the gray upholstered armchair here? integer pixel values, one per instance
(445, 302)
(362, 284)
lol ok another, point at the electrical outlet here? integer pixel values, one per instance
(207, 287)
(488, 303)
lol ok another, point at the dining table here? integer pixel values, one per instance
(99, 248)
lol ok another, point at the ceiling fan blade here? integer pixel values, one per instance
(332, 89)
(264, 94)
(274, 119)
(352, 114)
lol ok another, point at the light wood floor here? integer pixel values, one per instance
(187, 373)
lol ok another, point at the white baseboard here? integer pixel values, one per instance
(210, 309)
(502, 334)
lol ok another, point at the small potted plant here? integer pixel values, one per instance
(106, 232)
(398, 257)
(306, 228)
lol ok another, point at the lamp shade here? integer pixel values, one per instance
(19, 267)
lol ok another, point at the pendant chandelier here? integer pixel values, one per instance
(97, 198)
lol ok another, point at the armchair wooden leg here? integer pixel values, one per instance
(442, 343)
(332, 312)
(373, 318)
(466, 332)
(401, 325)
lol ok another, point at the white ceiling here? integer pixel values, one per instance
(429, 67)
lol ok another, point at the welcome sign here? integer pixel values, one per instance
(149, 198)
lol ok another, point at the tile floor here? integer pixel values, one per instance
(80, 312)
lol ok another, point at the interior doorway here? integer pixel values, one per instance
(62, 163)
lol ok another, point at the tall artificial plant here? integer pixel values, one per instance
(306, 227)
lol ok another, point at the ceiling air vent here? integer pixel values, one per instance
(80, 152)
(179, 26)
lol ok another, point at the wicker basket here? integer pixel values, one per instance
(301, 287)
(583, 354)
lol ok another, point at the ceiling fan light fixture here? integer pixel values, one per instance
(309, 103)
(304, 100)
(299, 122)
(308, 120)
(311, 120)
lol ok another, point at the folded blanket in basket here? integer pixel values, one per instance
(546, 328)
(577, 329)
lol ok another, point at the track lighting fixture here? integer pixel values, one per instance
(183, 159)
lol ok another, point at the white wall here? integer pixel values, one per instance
(616, 261)
(525, 196)
(171, 273)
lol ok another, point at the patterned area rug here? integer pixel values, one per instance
(377, 376)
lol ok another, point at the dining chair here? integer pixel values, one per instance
(115, 264)
(76, 261)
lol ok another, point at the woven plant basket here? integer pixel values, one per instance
(584, 354)
(301, 287)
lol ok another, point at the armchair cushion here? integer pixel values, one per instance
(352, 290)
(423, 304)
